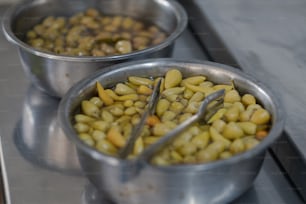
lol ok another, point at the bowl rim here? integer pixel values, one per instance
(177, 8)
(73, 92)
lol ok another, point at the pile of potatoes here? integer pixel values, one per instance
(106, 120)
(90, 33)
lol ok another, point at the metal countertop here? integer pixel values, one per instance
(266, 39)
(40, 163)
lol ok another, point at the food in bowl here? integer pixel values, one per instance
(106, 119)
(56, 73)
(122, 181)
(90, 33)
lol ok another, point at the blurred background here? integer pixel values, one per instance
(8, 1)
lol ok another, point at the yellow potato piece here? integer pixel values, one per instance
(142, 89)
(103, 95)
(260, 117)
(123, 89)
(115, 137)
(173, 78)
(203, 89)
(215, 136)
(195, 80)
(140, 81)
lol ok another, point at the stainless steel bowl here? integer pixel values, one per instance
(216, 182)
(55, 74)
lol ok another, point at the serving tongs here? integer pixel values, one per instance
(210, 105)
(136, 131)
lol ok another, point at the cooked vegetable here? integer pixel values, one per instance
(90, 33)
(106, 120)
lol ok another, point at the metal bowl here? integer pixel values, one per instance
(216, 182)
(55, 74)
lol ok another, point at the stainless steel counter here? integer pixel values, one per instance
(266, 39)
(40, 162)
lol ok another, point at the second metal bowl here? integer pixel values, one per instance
(55, 74)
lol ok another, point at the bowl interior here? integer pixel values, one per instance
(164, 14)
(214, 72)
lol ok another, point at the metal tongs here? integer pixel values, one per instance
(211, 104)
(206, 110)
(136, 131)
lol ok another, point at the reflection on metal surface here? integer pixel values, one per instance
(92, 196)
(39, 138)
(4, 188)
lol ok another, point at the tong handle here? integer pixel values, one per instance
(136, 131)
(148, 152)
